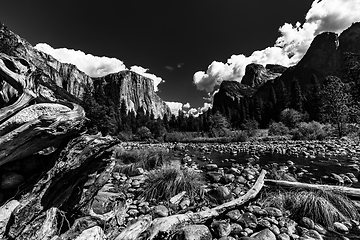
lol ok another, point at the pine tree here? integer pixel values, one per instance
(314, 99)
(334, 103)
(296, 96)
(282, 96)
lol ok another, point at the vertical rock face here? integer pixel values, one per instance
(322, 55)
(328, 54)
(135, 89)
(256, 75)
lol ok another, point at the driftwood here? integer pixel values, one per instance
(348, 191)
(42, 116)
(133, 231)
(165, 225)
(62, 185)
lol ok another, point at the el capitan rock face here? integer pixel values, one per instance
(137, 90)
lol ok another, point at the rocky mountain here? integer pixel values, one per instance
(256, 74)
(134, 88)
(328, 54)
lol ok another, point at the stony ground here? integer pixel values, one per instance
(251, 221)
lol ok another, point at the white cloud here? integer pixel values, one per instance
(186, 105)
(91, 65)
(175, 107)
(94, 66)
(290, 47)
(143, 71)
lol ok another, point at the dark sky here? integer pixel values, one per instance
(156, 34)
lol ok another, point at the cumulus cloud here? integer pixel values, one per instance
(94, 66)
(143, 71)
(91, 65)
(175, 107)
(197, 111)
(290, 47)
(186, 105)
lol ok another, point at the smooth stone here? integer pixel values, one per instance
(234, 215)
(185, 203)
(283, 236)
(236, 229)
(228, 178)
(161, 211)
(307, 222)
(265, 234)
(221, 228)
(248, 220)
(339, 227)
(274, 212)
(214, 177)
(94, 233)
(193, 232)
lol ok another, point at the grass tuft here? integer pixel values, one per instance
(147, 159)
(324, 207)
(166, 182)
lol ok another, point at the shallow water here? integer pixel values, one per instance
(314, 168)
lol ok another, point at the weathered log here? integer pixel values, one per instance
(5, 213)
(165, 225)
(133, 231)
(348, 191)
(61, 187)
(21, 133)
(80, 225)
(42, 227)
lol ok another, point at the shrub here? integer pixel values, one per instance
(147, 159)
(168, 181)
(125, 136)
(143, 133)
(309, 131)
(291, 118)
(181, 136)
(324, 207)
(219, 126)
(278, 129)
(251, 127)
(239, 136)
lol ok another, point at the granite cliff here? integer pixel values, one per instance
(134, 88)
(328, 54)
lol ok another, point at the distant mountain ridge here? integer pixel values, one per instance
(328, 54)
(69, 77)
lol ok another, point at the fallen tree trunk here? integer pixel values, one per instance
(62, 185)
(348, 191)
(26, 129)
(166, 225)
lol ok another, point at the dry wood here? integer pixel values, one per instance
(82, 156)
(166, 225)
(350, 192)
(133, 231)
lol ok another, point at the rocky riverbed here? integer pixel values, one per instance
(118, 205)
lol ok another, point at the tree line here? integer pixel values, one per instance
(332, 102)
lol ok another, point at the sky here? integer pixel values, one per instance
(187, 47)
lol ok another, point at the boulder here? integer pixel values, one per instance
(193, 232)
